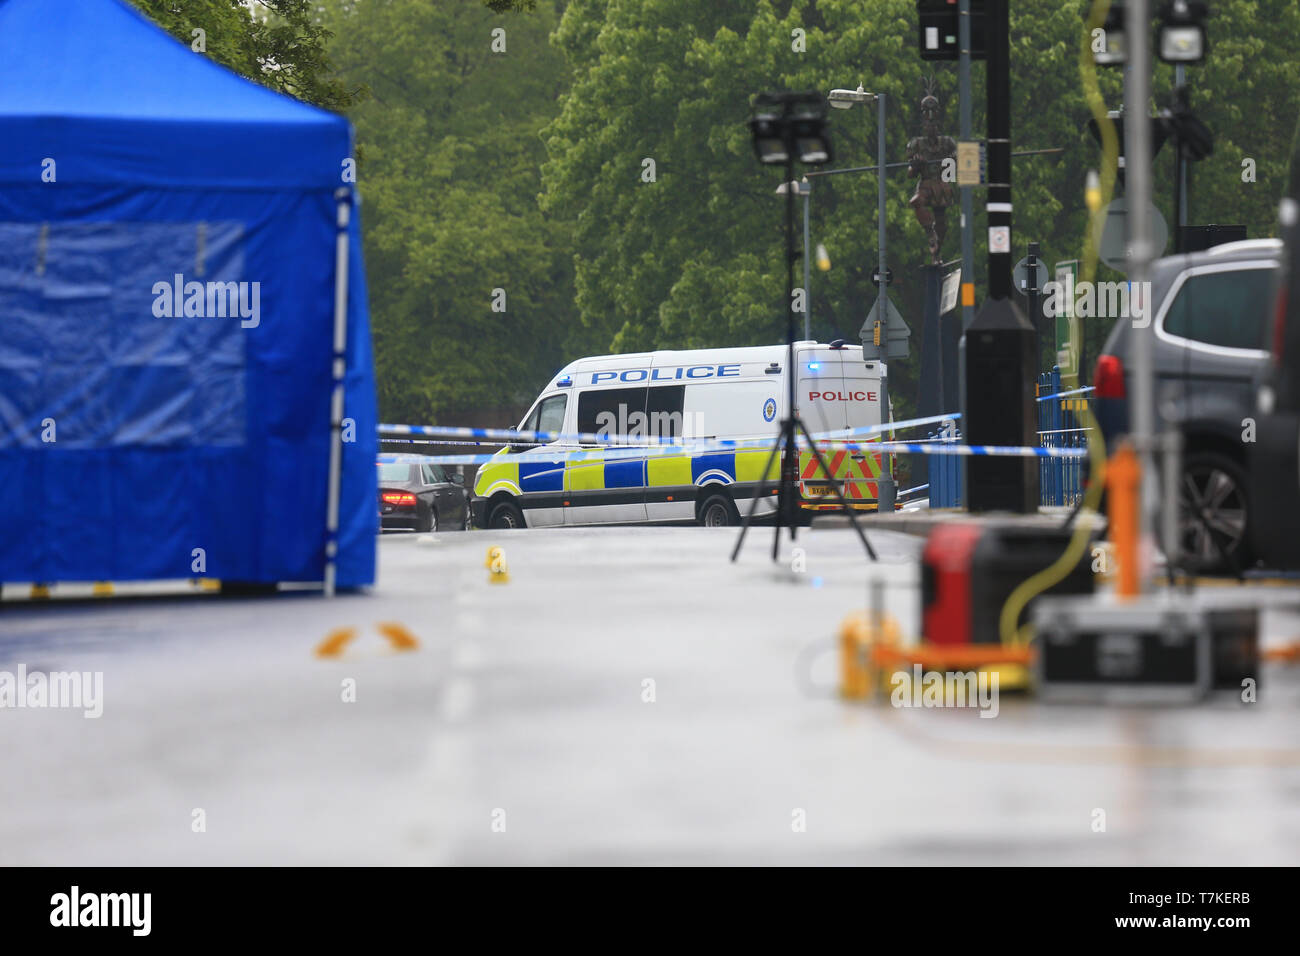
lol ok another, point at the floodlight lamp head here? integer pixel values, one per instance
(788, 126)
(767, 127)
(1181, 35)
(808, 129)
(1114, 40)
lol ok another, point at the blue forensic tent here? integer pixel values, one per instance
(169, 248)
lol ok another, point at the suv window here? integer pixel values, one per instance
(1230, 309)
(433, 474)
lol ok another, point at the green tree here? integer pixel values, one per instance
(450, 214)
(278, 43)
(695, 257)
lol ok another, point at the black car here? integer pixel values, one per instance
(420, 496)
(1275, 452)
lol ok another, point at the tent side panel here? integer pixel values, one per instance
(358, 513)
(178, 343)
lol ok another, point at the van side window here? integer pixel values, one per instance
(664, 411)
(1229, 309)
(607, 410)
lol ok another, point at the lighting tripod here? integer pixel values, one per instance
(797, 127)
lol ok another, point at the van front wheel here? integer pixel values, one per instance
(717, 511)
(506, 516)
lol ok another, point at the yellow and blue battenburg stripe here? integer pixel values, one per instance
(604, 476)
(626, 470)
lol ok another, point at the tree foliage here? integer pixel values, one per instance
(449, 183)
(526, 169)
(695, 258)
(279, 43)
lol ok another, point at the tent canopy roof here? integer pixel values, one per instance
(111, 98)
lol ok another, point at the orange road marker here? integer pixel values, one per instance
(399, 637)
(335, 641)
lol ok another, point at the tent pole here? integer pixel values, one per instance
(336, 402)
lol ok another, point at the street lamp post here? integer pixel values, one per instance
(1140, 253)
(967, 200)
(886, 490)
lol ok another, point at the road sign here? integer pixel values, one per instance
(999, 239)
(893, 334)
(948, 297)
(1020, 277)
(1114, 234)
(970, 163)
(1067, 275)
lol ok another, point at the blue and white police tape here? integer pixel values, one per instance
(1073, 391)
(955, 448)
(913, 448)
(459, 444)
(594, 438)
(635, 451)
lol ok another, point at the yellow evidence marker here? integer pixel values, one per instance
(498, 571)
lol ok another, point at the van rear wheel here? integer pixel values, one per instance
(718, 511)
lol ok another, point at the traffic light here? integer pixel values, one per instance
(937, 29)
(1180, 124)
(1159, 133)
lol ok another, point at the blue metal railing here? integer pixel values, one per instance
(945, 471)
(1060, 425)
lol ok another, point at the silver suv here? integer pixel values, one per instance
(1212, 328)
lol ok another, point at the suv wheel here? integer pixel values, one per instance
(1214, 514)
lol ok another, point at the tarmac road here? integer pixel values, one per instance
(522, 729)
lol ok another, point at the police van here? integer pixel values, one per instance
(733, 394)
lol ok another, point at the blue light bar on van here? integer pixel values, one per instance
(814, 366)
(565, 382)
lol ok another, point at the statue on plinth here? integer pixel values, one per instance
(925, 156)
